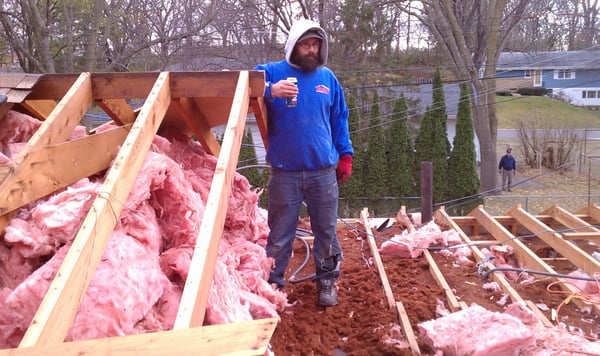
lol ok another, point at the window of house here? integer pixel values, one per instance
(527, 73)
(564, 74)
(590, 94)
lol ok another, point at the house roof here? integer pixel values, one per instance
(549, 60)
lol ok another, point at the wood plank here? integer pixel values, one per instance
(20, 186)
(260, 114)
(4, 108)
(593, 236)
(592, 211)
(39, 109)
(197, 124)
(579, 226)
(453, 303)
(523, 254)
(407, 328)
(387, 289)
(118, 110)
(470, 221)
(59, 306)
(52, 168)
(242, 338)
(63, 119)
(576, 256)
(137, 85)
(192, 307)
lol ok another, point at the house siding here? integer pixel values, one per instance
(585, 65)
(571, 90)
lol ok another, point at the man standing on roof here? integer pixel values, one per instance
(508, 168)
(309, 152)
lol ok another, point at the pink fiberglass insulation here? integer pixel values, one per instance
(138, 283)
(476, 331)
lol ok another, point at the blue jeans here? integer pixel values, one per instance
(287, 191)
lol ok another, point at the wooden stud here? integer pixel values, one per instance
(57, 311)
(196, 122)
(251, 338)
(49, 169)
(387, 289)
(192, 307)
(118, 110)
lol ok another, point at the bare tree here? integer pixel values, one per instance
(27, 30)
(473, 33)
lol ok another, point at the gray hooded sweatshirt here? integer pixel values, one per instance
(313, 134)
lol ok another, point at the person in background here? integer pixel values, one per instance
(508, 168)
(309, 153)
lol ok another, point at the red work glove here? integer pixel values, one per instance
(344, 169)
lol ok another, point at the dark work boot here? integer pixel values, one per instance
(327, 293)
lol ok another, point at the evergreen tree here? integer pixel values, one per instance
(351, 189)
(374, 183)
(463, 180)
(257, 177)
(430, 146)
(424, 141)
(401, 159)
(438, 106)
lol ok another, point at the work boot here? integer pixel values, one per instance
(327, 293)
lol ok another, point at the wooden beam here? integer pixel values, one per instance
(192, 307)
(408, 330)
(578, 257)
(260, 114)
(453, 303)
(593, 211)
(387, 289)
(57, 311)
(55, 167)
(575, 255)
(593, 236)
(523, 254)
(242, 338)
(62, 120)
(118, 110)
(580, 228)
(4, 108)
(137, 85)
(54, 130)
(197, 124)
(39, 109)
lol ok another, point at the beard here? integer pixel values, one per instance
(308, 62)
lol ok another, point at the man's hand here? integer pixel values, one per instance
(283, 89)
(344, 169)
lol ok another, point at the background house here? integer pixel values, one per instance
(573, 76)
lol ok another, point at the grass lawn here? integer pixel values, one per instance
(550, 113)
(545, 187)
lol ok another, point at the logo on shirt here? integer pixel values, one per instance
(322, 89)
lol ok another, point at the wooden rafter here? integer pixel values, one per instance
(192, 307)
(56, 313)
(192, 102)
(577, 256)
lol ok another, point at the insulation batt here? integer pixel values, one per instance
(138, 283)
(470, 332)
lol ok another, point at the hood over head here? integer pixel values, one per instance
(301, 30)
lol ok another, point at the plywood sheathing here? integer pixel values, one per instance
(232, 92)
